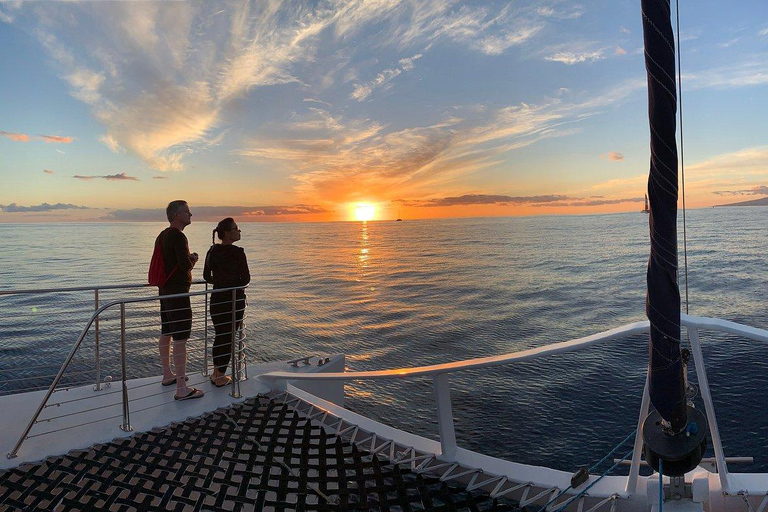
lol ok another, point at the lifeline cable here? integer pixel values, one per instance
(682, 152)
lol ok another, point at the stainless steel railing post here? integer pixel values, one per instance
(241, 346)
(126, 426)
(97, 387)
(205, 335)
(634, 467)
(235, 365)
(709, 407)
(445, 416)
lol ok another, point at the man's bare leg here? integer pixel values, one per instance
(165, 357)
(180, 363)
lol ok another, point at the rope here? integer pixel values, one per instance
(605, 473)
(593, 468)
(661, 484)
(682, 152)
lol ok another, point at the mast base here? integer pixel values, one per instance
(680, 452)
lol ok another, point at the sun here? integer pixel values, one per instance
(365, 212)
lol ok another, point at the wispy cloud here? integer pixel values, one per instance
(572, 58)
(47, 171)
(23, 137)
(747, 71)
(45, 207)
(57, 139)
(163, 79)
(344, 160)
(110, 177)
(5, 17)
(561, 12)
(16, 137)
(729, 43)
(384, 79)
(763, 32)
(110, 142)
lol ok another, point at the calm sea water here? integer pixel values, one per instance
(420, 292)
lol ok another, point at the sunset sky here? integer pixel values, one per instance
(288, 111)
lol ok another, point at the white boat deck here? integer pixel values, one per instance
(85, 417)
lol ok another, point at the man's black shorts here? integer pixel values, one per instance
(176, 317)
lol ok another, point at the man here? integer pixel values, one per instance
(176, 313)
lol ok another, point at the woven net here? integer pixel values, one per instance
(259, 455)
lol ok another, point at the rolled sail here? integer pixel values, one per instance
(667, 388)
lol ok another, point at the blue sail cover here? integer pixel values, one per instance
(667, 389)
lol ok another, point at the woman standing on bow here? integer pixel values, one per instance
(225, 267)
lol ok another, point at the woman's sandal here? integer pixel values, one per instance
(193, 393)
(228, 380)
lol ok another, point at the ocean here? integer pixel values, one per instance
(401, 294)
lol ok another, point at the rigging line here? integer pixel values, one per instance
(682, 152)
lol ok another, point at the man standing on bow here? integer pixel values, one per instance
(176, 312)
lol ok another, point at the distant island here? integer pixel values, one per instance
(763, 201)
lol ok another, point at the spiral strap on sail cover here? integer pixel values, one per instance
(667, 389)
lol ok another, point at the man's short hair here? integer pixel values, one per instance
(173, 208)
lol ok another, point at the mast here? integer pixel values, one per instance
(665, 372)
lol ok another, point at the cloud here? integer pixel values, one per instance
(760, 190)
(481, 199)
(216, 213)
(110, 142)
(613, 156)
(764, 32)
(57, 139)
(16, 137)
(571, 12)
(159, 177)
(165, 75)
(23, 137)
(120, 177)
(599, 202)
(553, 200)
(47, 171)
(383, 80)
(110, 177)
(496, 45)
(747, 71)
(620, 51)
(571, 58)
(345, 160)
(45, 207)
(624, 30)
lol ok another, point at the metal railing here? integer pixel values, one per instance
(124, 318)
(441, 382)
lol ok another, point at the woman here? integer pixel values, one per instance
(225, 267)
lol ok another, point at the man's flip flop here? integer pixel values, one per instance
(172, 382)
(193, 393)
(229, 379)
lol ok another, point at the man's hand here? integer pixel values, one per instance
(194, 257)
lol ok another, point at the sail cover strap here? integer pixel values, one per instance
(667, 389)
